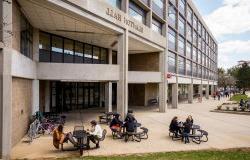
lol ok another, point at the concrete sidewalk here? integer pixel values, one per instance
(225, 131)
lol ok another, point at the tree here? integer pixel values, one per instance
(243, 77)
(221, 78)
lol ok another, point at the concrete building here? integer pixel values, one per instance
(64, 55)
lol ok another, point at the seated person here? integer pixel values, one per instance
(186, 130)
(174, 126)
(191, 119)
(59, 137)
(130, 116)
(95, 133)
(242, 104)
(116, 124)
(130, 125)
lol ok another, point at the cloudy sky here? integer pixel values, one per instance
(229, 21)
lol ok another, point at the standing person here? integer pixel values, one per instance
(214, 95)
(59, 137)
(95, 133)
(174, 126)
(218, 96)
(187, 128)
(190, 118)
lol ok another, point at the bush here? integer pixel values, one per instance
(228, 108)
(235, 108)
(238, 97)
(219, 107)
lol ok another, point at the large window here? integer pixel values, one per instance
(181, 26)
(156, 26)
(115, 3)
(68, 51)
(171, 39)
(195, 69)
(188, 50)
(199, 43)
(44, 47)
(57, 49)
(199, 57)
(172, 16)
(181, 65)
(195, 38)
(182, 6)
(195, 22)
(172, 62)
(174, 2)
(199, 28)
(189, 68)
(199, 71)
(194, 57)
(53, 48)
(137, 13)
(189, 33)
(189, 15)
(26, 37)
(158, 6)
(181, 46)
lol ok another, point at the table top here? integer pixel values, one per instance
(80, 134)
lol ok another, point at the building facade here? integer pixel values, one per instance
(64, 55)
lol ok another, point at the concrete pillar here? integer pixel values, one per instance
(174, 95)
(207, 91)
(6, 82)
(163, 83)
(47, 96)
(190, 93)
(108, 96)
(200, 90)
(125, 6)
(35, 96)
(149, 15)
(110, 56)
(122, 84)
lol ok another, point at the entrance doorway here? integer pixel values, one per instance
(67, 96)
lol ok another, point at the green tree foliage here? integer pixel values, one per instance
(243, 77)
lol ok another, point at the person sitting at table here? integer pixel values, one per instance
(130, 116)
(174, 126)
(191, 119)
(59, 137)
(186, 130)
(130, 125)
(95, 133)
(116, 124)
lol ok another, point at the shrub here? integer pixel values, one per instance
(235, 108)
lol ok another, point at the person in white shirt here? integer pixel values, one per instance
(95, 133)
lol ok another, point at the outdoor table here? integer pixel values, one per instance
(81, 136)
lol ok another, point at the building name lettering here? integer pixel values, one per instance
(110, 12)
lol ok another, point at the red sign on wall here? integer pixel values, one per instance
(168, 75)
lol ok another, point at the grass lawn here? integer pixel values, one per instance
(238, 97)
(233, 154)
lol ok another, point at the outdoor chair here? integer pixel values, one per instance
(143, 134)
(175, 136)
(104, 132)
(104, 118)
(133, 135)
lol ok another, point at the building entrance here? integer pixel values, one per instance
(67, 96)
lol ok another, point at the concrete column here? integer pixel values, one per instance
(207, 91)
(190, 93)
(6, 82)
(200, 90)
(122, 84)
(35, 96)
(108, 96)
(149, 15)
(174, 95)
(125, 6)
(47, 96)
(163, 83)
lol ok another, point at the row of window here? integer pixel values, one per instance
(53, 48)
(186, 67)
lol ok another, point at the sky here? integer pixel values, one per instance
(229, 22)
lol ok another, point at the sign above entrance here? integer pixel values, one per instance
(168, 75)
(110, 12)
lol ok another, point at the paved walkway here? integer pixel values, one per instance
(225, 131)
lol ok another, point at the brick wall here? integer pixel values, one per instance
(21, 107)
(136, 94)
(143, 62)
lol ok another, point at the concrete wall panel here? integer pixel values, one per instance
(144, 77)
(144, 62)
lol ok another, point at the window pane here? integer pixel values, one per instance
(171, 39)
(136, 12)
(68, 51)
(87, 53)
(172, 62)
(157, 7)
(57, 50)
(181, 26)
(115, 3)
(182, 6)
(156, 26)
(78, 52)
(189, 68)
(181, 65)
(104, 56)
(181, 46)
(172, 15)
(188, 51)
(96, 55)
(44, 47)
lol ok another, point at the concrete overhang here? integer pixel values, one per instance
(144, 77)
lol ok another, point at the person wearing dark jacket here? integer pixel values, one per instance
(186, 130)
(130, 125)
(174, 126)
(130, 116)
